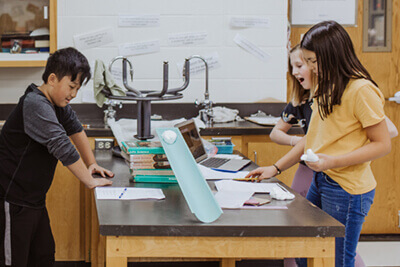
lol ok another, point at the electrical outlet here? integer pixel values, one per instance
(103, 143)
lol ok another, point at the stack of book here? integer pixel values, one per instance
(147, 162)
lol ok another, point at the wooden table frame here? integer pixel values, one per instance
(319, 251)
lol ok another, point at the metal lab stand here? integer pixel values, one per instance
(144, 97)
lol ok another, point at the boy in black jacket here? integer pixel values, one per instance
(33, 139)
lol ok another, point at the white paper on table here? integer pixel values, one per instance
(131, 49)
(232, 200)
(250, 22)
(251, 48)
(197, 65)
(150, 20)
(210, 174)
(125, 193)
(187, 38)
(227, 185)
(93, 39)
(228, 156)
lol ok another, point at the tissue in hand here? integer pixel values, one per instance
(309, 156)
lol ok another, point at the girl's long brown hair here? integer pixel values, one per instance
(337, 63)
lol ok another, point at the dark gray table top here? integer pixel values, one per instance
(172, 216)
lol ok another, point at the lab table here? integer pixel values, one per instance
(167, 229)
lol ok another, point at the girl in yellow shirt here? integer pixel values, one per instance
(347, 131)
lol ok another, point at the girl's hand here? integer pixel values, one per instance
(94, 168)
(262, 173)
(325, 162)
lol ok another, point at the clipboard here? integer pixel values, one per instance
(194, 187)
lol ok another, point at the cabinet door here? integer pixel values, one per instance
(66, 215)
(267, 153)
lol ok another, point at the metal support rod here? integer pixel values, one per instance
(143, 120)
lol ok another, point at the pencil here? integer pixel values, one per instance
(245, 179)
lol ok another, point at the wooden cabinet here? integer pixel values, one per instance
(70, 205)
(267, 153)
(25, 16)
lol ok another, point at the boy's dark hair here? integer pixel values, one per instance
(67, 62)
(337, 63)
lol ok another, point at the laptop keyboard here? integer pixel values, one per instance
(214, 162)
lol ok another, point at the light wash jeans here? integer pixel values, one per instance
(348, 209)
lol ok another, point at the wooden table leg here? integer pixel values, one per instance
(227, 263)
(323, 262)
(116, 261)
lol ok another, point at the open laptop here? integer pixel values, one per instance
(192, 138)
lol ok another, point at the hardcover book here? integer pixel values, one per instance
(154, 179)
(149, 165)
(158, 172)
(150, 158)
(142, 147)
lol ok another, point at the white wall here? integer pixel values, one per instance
(241, 77)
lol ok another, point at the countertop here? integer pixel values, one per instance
(172, 216)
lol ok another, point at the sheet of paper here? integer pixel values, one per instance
(93, 39)
(187, 38)
(128, 193)
(250, 22)
(228, 156)
(88, 95)
(232, 200)
(210, 174)
(251, 48)
(131, 49)
(228, 185)
(264, 120)
(265, 207)
(306, 12)
(139, 20)
(197, 65)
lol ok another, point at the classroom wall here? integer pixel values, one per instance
(240, 76)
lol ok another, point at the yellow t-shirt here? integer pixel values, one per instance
(343, 131)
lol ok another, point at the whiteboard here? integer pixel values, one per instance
(310, 12)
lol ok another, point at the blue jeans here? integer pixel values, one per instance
(348, 209)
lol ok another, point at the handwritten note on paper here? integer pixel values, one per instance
(116, 73)
(250, 22)
(93, 39)
(197, 65)
(251, 48)
(189, 38)
(127, 193)
(88, 95)
(131, 49)
(139, 20)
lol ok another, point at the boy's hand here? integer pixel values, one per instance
(94, 168)
(262, 173)
(98, 182)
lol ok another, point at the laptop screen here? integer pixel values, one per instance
(192, 138)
